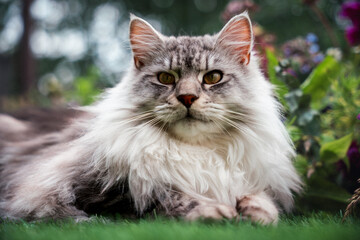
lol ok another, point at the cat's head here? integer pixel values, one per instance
(194, 86)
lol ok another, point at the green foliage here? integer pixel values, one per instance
(344, 99)
(331, 152)
(86, 88)
(326, 190)
(318, 82)
(281, 87)
(316, 133)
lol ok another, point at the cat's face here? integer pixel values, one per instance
(193, 86)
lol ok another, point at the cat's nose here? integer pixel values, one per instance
(187, 100)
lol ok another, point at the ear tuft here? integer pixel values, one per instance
(144, 40)
(237, 37)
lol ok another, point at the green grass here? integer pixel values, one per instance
(315, 227)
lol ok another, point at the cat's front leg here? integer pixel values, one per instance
(257, 208)
(181, 205)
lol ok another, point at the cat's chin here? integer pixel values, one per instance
(193, 130)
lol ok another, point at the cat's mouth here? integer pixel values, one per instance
(189, 115)
(192, 116)
(190, 119)
(192, 126)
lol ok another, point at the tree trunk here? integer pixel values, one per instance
(27, 62)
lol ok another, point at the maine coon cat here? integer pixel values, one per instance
(193, 130)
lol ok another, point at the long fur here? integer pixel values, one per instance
(243, 150)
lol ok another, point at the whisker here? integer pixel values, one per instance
(158, 132)
(237, 113)
(135, 118)
(245, 131)
(140, 127)
(165, 123)
(132, 109)
(222, 128)
(247, 121)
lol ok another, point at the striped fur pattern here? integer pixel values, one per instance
(139, 147)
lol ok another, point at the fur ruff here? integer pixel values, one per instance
(216, 168)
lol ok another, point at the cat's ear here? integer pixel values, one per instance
(237, 37)
(144, 40)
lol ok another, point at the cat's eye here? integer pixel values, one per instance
(166, 78)
(213, 77)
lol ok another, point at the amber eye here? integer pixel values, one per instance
(212, 77)
(166, 78)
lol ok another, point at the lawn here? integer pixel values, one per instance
(316, 226)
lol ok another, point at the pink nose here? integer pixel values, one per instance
(187, 100)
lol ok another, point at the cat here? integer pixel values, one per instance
(193, 130)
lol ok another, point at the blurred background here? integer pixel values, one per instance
(56, 53)
(56, 42)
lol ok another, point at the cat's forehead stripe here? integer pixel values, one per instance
(189, 52)
(206, 63)
(170, 63)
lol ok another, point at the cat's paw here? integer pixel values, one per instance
(213, 211)
(257, 209)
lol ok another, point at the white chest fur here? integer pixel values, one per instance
(201, 172)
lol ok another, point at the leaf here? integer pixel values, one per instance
(322, 188)
(333, 151)
(85, 87)
(292, 99)
(318, 82)
(306, 117)
(294, 132)
(301, 165)
(280, 86)
(309, 122)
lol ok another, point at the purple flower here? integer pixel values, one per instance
(291, 72)
(352, 173)
(351, 10)
(306, 68)
(304, 53)
(318, 58)
(342, 169)
(353, 35)
(358, 116)
(353, 155)
(311, 38)
(353, 151)
(314, 48)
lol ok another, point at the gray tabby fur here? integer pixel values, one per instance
(139, 147)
